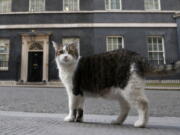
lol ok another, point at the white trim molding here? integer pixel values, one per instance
(88, 25)
(26, 42)
(96, 11)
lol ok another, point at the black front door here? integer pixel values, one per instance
(35, 66)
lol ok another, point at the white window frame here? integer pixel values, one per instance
(157, 51)
(75, 40)
(7, 8)
(159, 5)
(31, 9)
(108, 7)
(112, 47)
(64, 8)
(7, 53)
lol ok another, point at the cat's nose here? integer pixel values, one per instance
(65, 57)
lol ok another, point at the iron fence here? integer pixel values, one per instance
(162, 62)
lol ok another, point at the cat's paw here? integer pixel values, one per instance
(69, 119)
(79, 120)
(139, 124)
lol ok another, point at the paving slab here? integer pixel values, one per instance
(20, 123)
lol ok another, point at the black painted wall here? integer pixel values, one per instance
(92, 41)
(20, 5)
(14, 54)
(137, 42)
(54, 5)
(55, 18)
(170, 4)
(57, 5)
(132, 5)
(178, 33)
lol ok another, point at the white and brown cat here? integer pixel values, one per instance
(116, 75)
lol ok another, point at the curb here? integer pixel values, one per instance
(162, 88)
(62, 86)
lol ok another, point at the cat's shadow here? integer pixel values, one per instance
(128, 126)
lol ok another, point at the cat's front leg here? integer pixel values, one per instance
(78, 93)
(80, 112)
(72, 104)
(76, 103)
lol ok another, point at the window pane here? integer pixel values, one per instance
(150, 47)
(155, 49)
(155, 56)
(3, 57)
(154, 40)
(5, 6)
(117, 4)
(71, 5)
(151, 4)
(156, 4)
(76, 5)
(37, 5)
(4, 54)
(160, 47)
(161, 57)
(107, 4)
(150, 56)
(159, 40)
(3, 49)
(113, 4)
(114, 43)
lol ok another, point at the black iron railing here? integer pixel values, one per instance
(162, 62)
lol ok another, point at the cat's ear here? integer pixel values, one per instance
(55, 45)
(74, 45)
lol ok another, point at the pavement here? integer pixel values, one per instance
(40, 111)
(54, 100)
(20, 123)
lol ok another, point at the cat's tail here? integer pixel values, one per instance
(164, 69)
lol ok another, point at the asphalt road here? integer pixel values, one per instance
(54, 100)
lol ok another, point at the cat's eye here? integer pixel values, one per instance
(70, 51)
(59, 52)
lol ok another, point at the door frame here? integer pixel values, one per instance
(26, 42)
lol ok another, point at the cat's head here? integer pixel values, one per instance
(66, 54)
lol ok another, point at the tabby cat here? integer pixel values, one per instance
(115, 75)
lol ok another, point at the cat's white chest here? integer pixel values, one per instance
(66, 75)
